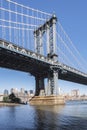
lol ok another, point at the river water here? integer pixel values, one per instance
(72, 116)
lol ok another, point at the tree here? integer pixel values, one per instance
(6, 99)
(14, 99)
(17, 100)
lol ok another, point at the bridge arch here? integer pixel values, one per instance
(10, 46)
(23, 51)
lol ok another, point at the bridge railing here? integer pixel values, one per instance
(14, 48)
(68, 68)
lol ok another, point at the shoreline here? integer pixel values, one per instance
(8, 104)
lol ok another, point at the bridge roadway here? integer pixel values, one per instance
(16, 58)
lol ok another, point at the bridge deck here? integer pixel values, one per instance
(17, 58)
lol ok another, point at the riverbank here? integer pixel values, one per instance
(9, 104)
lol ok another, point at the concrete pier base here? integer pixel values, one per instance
(47, 100)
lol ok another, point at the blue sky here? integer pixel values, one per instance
(72, 15)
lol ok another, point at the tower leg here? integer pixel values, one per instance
(54, 83)
(40, 90)
(49, 85)
(55, 79)
(37, 91)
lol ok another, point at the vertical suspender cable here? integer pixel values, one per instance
(9, 23)
(22, 27)
(27, 19)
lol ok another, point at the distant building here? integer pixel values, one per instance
(6, 92)
(14, 90)
(22, 91)
(75, 93)
(31, 93)
(23, 94)
(1, 98)
(26, 92)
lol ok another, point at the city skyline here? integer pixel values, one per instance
(71, 21)
(72, 92)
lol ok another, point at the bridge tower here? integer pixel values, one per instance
(49, 27)
(51, 53)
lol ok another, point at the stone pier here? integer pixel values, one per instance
(47, 100)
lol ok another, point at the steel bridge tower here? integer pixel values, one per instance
(49, 28)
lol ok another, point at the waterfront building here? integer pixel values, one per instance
(23, 94)
(1, 97)
(22, 91)
(75, 93)
(14, 90)
(26, 92)
(31, 93)
(6, 92)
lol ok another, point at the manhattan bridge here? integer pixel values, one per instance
(35, 42)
